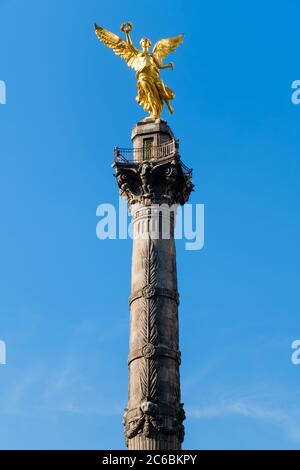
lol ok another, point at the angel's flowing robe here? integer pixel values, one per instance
(152, 92)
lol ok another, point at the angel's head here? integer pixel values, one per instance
(145, 44)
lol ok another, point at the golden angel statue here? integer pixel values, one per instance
(152, 92)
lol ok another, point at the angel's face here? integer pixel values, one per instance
(145, 44)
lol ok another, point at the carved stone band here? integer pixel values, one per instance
(159, 181)
(164, 409)
(149, 351)
(150, 291)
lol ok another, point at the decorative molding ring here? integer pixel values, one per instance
(149, 351)
(150, 291)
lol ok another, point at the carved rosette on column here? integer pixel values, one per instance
(154, 416)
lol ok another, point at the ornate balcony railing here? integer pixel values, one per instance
(151, 152)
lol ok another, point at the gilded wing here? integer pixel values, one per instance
(163, 47)
(120, 47)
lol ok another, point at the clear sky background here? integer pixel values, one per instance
(63, 303)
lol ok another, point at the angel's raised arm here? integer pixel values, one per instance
(126, 28)
(123, 49)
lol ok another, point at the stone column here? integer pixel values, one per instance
(153, 183)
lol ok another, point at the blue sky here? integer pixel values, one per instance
(63, 303)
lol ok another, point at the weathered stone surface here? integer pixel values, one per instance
(154, 416)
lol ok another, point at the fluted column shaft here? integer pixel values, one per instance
(154, 416)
